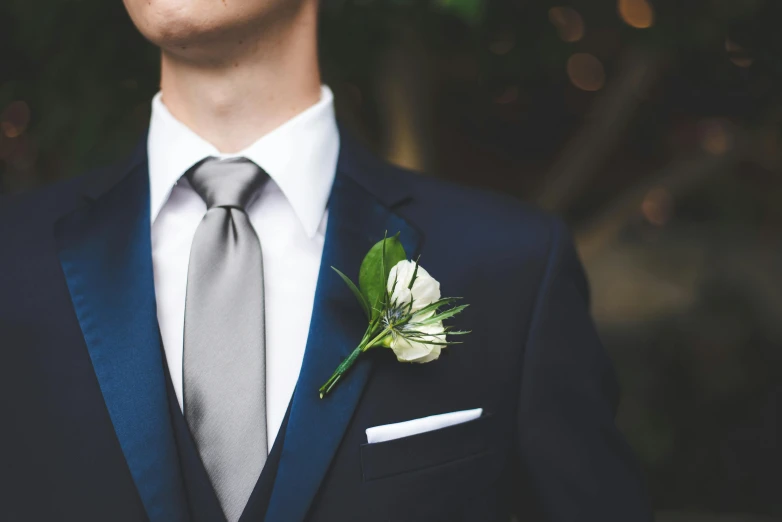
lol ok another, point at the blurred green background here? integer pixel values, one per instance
(653, 126)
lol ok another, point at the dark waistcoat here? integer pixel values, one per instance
(201, 498)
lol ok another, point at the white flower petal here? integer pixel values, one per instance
(433, 355)
(419, 350)
(410, 351)
(425, 290)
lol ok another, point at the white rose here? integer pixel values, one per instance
(419, 351)
(425, 291)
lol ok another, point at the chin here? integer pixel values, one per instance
(182, 24)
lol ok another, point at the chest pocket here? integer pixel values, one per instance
(452, 444)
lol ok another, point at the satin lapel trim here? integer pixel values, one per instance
(357, 220)
(105, 253)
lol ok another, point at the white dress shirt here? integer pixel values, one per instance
(289, 216)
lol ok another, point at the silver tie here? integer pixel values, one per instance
(225, 349)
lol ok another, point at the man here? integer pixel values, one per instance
(166, 323)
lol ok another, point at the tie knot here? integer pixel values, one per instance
(226, 182)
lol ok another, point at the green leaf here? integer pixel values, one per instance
(373, 275)
(415, 274)
(356, 292)
(456, 332)
(471, 11)
(427, 339)
(439, 317)
(437, 304)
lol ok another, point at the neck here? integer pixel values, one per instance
(259, 81)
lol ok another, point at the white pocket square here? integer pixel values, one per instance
(398, 430)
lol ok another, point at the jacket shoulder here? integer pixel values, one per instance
(38, 206)
(484, 218)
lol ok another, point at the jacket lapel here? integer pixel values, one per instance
(105, 253)
(358, 218)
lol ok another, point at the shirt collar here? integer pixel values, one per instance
(300, 156)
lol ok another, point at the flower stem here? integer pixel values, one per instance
(378, 338)
(341, 369)
(365, 344)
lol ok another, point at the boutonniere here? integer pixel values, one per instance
(403, 306)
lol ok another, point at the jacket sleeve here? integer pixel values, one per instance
(573, 463)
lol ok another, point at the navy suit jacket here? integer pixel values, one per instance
(86, 433)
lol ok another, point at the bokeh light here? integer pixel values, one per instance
(503, 44)
(657, 206)
(636, 13)
(509, 95)
(715, 136)
(14, 119)
(737, 54)
(569, 23)
(586, 72)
